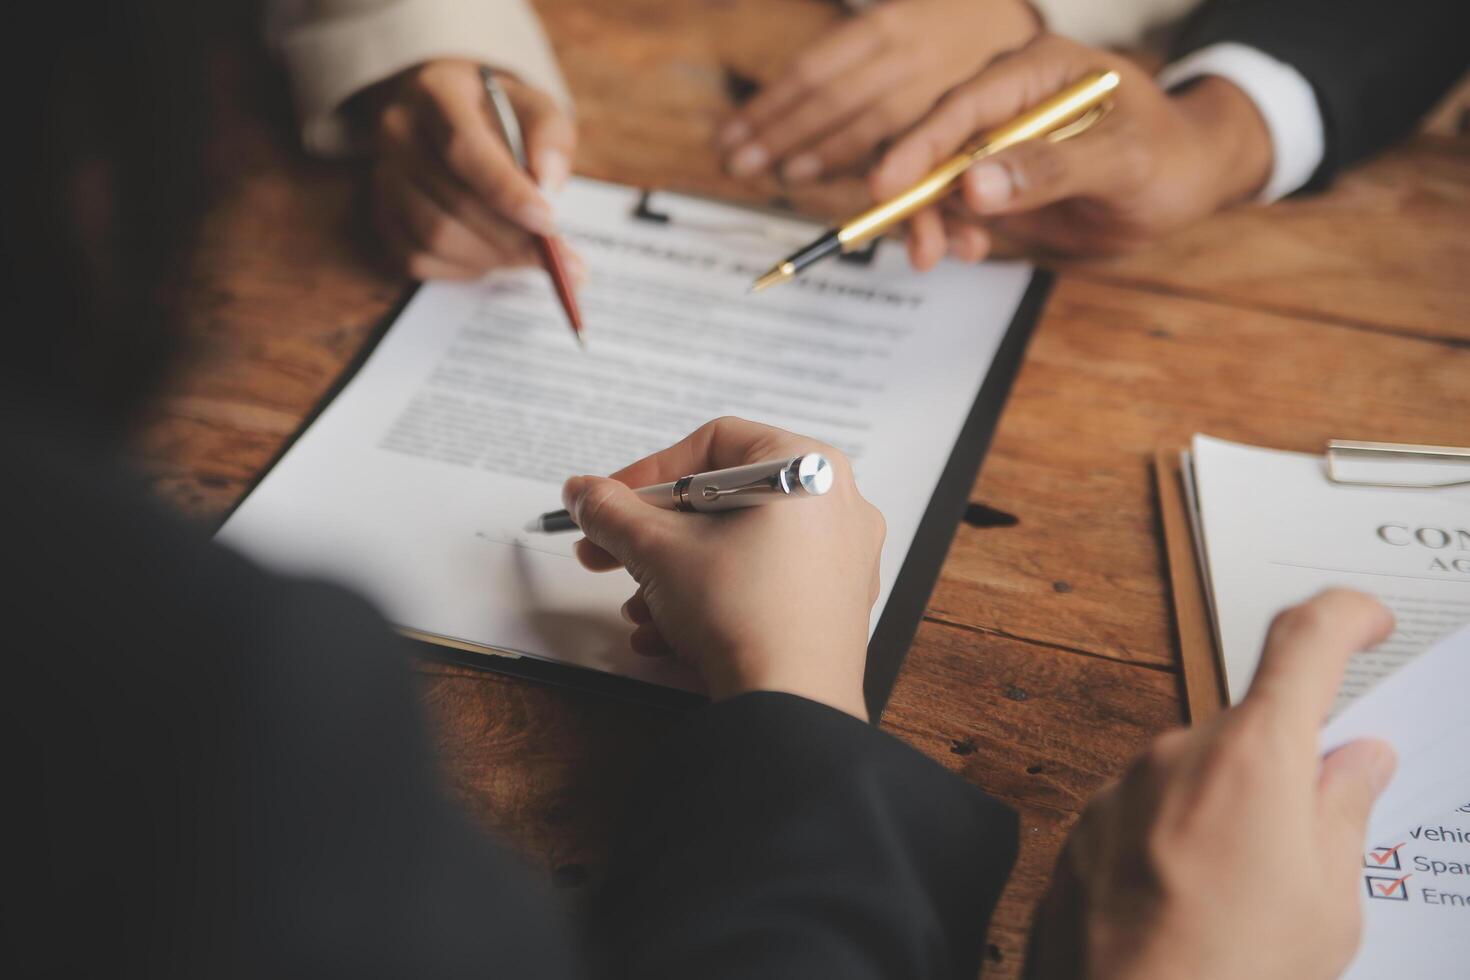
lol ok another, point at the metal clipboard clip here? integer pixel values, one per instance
(755, 224)
(1397, 465)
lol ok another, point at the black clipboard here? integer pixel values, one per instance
(910, 596)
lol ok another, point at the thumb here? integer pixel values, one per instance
(615, 518)
(1351, 779)
(551, 137)
(1037, 173)
(1002, 90)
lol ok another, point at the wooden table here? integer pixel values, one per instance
(1046, 659)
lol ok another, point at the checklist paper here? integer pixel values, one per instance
(1415, 889)
(1415, 872)
(415, 484)
(1275, 531)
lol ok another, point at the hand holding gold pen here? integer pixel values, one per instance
(1071, 111)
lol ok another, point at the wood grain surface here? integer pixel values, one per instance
(1047, 658)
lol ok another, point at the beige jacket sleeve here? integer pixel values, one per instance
(334, 49)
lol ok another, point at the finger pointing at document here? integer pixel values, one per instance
(1163, 876)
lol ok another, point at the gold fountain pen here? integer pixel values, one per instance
(1071, 111)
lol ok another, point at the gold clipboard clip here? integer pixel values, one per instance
(1376, 464)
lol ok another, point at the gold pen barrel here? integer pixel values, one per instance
(1067, 107)
(876, 220)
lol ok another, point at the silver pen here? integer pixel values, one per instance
(809, 475)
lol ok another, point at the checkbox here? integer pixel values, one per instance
(1387, 889)
(1383, 858)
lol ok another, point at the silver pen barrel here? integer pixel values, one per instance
(808, 475)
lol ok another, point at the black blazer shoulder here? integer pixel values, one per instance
(1376, 67)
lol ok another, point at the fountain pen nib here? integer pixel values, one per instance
(777, 274)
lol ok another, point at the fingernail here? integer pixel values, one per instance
(627, 616)
(536, 217)
(991, 184)
(553, 168)
(736, 131)
(1383, 767)
(571, 494)
(803, 167)
(749, 160)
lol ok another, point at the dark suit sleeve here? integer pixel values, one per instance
(215, 772)
(775, 837)
(1376, 67)
(219, 772)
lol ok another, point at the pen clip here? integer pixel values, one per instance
(1081, 124)
(712, 492)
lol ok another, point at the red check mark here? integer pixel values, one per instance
(1382, 855)
(1393, 886)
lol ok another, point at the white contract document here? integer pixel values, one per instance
(414, 485)
(1276, 531)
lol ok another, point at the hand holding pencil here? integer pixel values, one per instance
(547, 245)
(450, 200)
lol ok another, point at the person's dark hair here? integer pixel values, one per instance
(102, 177)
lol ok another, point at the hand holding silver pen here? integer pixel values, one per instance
(807, 475)
(779, 600)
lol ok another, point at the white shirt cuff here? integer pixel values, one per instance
(1284, 99)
